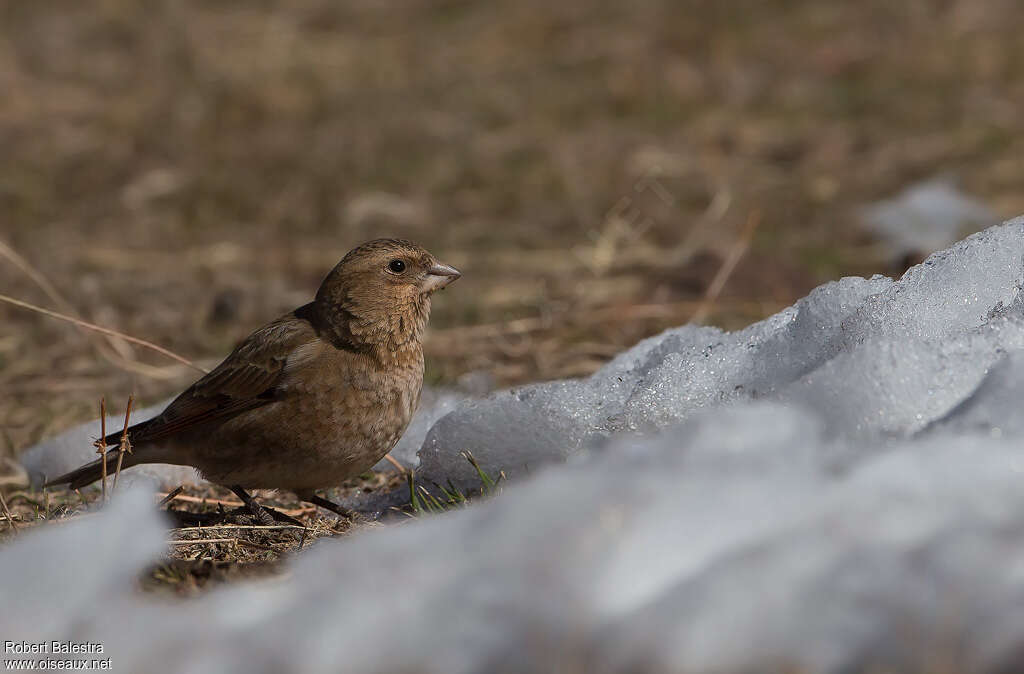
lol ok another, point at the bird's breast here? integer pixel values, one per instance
(324, 429)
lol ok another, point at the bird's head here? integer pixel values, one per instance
(381, 290)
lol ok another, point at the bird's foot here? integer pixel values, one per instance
(264, 515)
(250, 512)
(242, 515)
(315, 499)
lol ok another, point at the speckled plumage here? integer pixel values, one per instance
(316, 396)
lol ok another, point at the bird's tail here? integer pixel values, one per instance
(136, 434)
(93, 470)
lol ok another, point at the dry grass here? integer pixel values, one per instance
(199, 557)
(184, 171)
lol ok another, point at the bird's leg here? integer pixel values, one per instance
(313, 498)
(258, 511)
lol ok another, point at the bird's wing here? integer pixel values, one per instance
(252, 376)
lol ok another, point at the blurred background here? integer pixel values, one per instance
(185, 171)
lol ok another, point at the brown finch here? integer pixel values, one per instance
(313, 398)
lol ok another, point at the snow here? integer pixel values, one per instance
(836, 488)
(871, 357)
(925, 217)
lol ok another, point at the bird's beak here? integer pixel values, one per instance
(439, 276)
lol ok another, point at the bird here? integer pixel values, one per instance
(310, 399)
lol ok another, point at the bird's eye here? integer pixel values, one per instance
(396, 266)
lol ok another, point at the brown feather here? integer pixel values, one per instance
(246, 379)
(317, 395)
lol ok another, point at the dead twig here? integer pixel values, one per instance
(101, 445)
(171, 496)
(202, 500)
(106, 331)
(261, 527)
(203, 541)
(115, 350)
(7, 514)
(35, 276)
(125, 446)
(231, 503)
